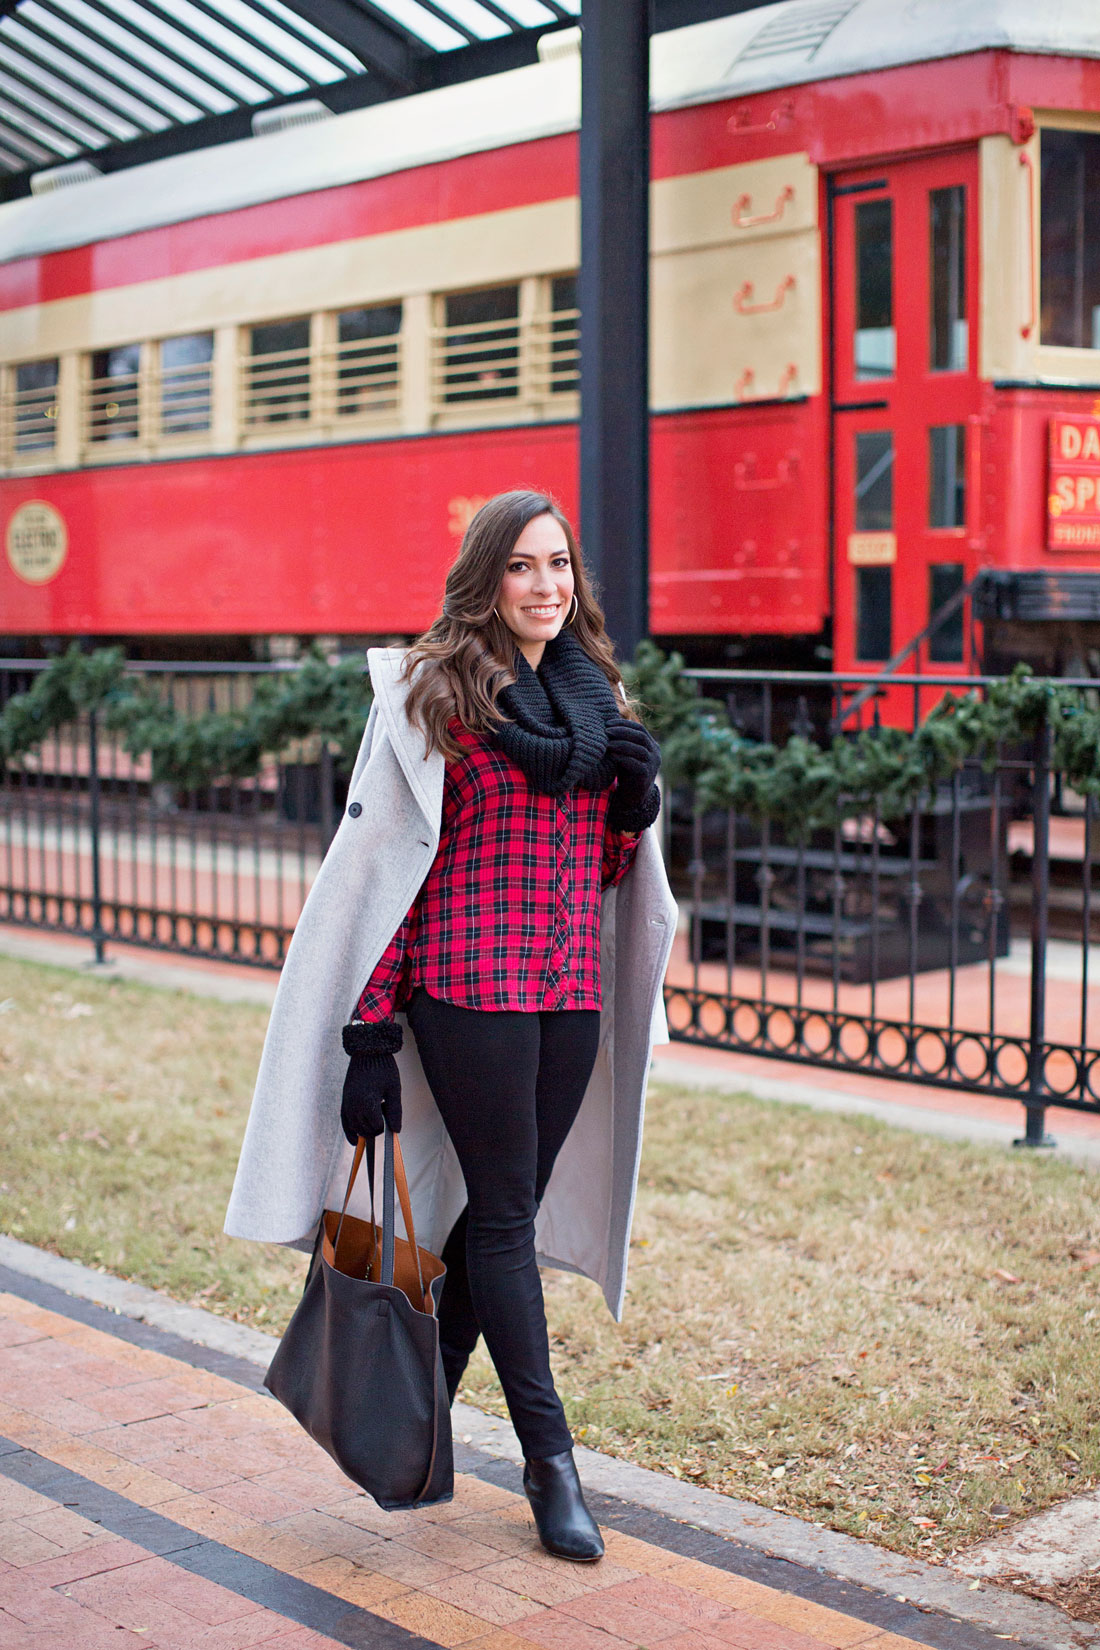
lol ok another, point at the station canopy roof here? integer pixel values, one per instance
(113, 83)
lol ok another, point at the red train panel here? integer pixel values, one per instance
(357, 538)
(740, 523)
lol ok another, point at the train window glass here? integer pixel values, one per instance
(875, 339)
(947, 329)
(947, 475)
(874, 612)
(480, 356)
(565, 336)
(1069, 239)
(34, 412)
(874, 511)
(276, 377)
(113, 394)
(945, 645)
(185, 383)
(367, 359)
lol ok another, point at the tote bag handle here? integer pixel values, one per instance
(393, 1173)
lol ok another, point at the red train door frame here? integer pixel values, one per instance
(905, 402)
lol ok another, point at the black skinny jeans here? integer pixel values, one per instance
(508, 1086)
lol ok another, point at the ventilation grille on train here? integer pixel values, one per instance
(63, 177)
(305, 113)
(800, 29)
(558, 44)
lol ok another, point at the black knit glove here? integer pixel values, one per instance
(636, 757)
(372, 1086)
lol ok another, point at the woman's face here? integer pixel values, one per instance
(536, 592)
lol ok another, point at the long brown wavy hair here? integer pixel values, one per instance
(459, 665)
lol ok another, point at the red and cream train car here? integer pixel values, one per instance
(258, 389)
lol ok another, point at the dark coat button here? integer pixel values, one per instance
(355, 809)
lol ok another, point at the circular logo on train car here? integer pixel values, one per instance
(38, 542)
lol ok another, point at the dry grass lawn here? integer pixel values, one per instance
(891, 1335)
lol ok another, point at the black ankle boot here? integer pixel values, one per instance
(565, 1525)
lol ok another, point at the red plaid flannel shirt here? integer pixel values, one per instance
(509, 913)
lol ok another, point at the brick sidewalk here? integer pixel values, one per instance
(149, 1503)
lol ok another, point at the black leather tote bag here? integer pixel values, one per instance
(359, 1364)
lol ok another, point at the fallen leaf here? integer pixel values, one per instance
(1005, 1277)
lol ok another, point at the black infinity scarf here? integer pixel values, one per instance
(559, 719)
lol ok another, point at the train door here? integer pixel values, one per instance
(905, 385)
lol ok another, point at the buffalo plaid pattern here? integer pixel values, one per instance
(508, 916)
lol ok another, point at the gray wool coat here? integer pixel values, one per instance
(294, 1160)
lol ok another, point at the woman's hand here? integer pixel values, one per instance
(636, 758)
(372, 1085)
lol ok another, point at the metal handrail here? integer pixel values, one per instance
(123, 394)
(827, 678)
(30, 421)
(940, 616)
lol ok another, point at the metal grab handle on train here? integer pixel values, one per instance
(746, 480)
(742, 201)
(975, 433)
(748, 376)
(741, 299)
(781, 116)
(1029, 165)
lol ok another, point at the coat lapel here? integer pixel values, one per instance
(424, 772)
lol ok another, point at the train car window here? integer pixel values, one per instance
(874, 512)
(874, 612)
(947, 475)
(1069, 239)
(185, 383)
(565, 335)
(276, 375)
(480, 356)
(112, 394)
(945, 645)
(367, 359)
(875, 338)
(34, 410)
(947, 330)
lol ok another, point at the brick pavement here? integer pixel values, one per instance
(149, 1503)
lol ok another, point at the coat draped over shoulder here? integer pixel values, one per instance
(294, 1161)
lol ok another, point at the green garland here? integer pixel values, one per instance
(805, 786)
(800, 785)
(318, 698)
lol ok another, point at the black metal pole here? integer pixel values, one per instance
(98, 934)
(1035, 1134)
(614, 304)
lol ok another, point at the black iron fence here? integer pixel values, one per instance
(949, 945)
(91, 845)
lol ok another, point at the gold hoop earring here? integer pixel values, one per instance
(576, 609)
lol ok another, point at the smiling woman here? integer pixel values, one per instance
(506, 782)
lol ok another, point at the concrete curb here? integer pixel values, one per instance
(147, 968)
(777, 1534)
(667, 1068)
(167, 974)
